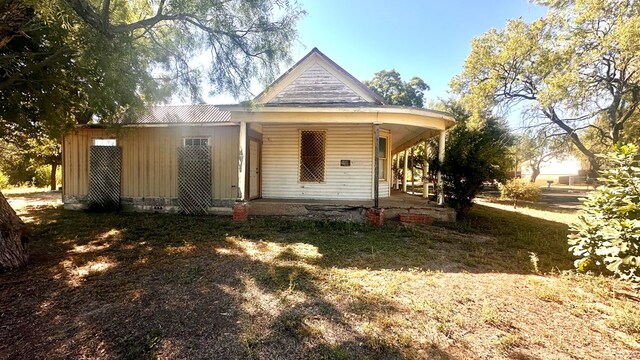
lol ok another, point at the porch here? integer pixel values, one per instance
(351, 210)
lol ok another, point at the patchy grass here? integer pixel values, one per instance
(170, 286)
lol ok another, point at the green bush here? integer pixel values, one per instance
(519, 190)
(474, 154)
(4, 180)
(42, 176)
(608, 230)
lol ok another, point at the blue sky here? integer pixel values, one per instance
(425, 38)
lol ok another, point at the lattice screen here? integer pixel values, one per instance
(312, 156)
(194, 179)
(104, 177)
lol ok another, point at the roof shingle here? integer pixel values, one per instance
(182, 114)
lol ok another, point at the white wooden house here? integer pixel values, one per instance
(310, 136)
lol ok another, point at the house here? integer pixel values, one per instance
(315, 137)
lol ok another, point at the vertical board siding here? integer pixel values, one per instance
(280, 172)
(149, 160)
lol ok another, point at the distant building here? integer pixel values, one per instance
(568, 171)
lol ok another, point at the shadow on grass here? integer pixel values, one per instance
(139, 285)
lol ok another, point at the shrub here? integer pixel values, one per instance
(608, 228)
(519, 190)
(473, 155)
(4, 180)
(42, 176)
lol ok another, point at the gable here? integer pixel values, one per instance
(317, 80)
(317, 86)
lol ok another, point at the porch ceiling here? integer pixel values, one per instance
(406, 136)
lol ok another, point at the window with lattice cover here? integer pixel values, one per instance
(312, 155)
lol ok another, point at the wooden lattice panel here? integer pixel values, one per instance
(194, 179)
(312, 156)
(105, 164)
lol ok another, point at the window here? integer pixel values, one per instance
(194, 141)
(382, 171)
(312, 145)
(104, 142)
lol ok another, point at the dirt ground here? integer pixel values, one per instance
(497, 286)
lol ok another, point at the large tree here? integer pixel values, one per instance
(577, 68)
(389, 85)
(64, 62)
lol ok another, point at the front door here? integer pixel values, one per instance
(254, 169)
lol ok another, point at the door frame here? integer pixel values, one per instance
(249, 165)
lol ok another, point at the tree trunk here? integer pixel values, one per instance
(535, 171)
(13, 237)
(54, 167)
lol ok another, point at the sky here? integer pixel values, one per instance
(425, 38)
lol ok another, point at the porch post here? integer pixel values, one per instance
(376, 168)
(425, 171)
(413, 171)
(404, 173)
(397, 171)
(242, 161)
(440, 189)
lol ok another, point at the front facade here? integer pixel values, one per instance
(316, 133)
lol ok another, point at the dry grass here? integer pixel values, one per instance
(168, 286)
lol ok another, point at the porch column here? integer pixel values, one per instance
(242, 161)
(376, 168)
(440, 189)
(413, 171)
(404, 173)
(425, 171)
(397, 171)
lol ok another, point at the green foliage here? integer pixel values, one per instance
(519, 190)
(608, 230)
(389, 85)
(4, 180)
(115, 59)
(473, 156)
(42, 176)
(574, 70)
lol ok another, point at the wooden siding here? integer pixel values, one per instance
(149, 160)
(316, 85)
(280, 161)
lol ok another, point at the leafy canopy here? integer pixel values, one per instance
(608, 230)
(577, 65)
(71, 61)
(389, 85)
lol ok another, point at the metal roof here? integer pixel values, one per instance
(182, 114)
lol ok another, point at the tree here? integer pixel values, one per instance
(577, 65)
(607, 232)
(473, 155)
(64, 62)
(538, 147)
(389, 85)
(13, 237)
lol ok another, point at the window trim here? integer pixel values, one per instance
(184, 140)
(385, 171)
(324, 158)
(93, 141)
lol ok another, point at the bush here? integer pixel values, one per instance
(519, 190)
(4, 181)
(608, 230)
(473, 155)
(42, 176)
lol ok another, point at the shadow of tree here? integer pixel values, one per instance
(138, 285)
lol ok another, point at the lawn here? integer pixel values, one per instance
(144, 286)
